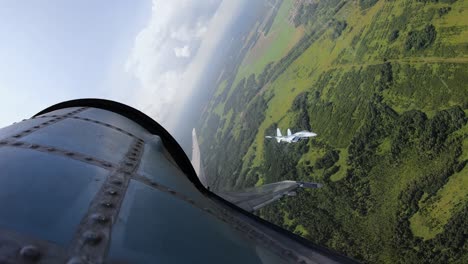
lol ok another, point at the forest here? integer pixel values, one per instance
(384, 85)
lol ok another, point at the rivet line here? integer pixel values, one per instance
(60, 152)
(92, 238)
(86, 119)
(55, 119)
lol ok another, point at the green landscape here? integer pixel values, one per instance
(384, 84)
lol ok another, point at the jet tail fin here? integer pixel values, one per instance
(196, 160)
(278, 132)
(289, 132)
(278, 140)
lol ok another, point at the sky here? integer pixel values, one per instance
(147, 54)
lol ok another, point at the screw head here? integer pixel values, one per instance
(117, 181)
(30, 252)
(91, 237)
(107, 204)
(154, 183)
(100, 218)
(112, 192)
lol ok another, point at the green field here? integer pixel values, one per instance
(385, 86)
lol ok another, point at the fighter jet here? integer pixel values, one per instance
(292, 138)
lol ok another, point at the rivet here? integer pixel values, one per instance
(135, 149)
(89, 159)
(112, 192)
(132, 159)
(130, 134)
(107, 125)
(3, 142)
(107, 204)
(118, 129)
(27, 131)
(92, 237)
(17, 136)
(117, 182)
(51, 149)
(18, 143)
(36, 127)
(87, 119)
(154, 183)
(100, 218)
(34, 146)
(129, 164)
(45, 123)
(107, 165)
(171, 191)
(30, 252)
(70, 154)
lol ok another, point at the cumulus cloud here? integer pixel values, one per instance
(183, 52)
(170, 53)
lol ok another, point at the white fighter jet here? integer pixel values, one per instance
(292, 138)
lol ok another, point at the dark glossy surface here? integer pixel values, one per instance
(84, 137)
(43, 195)
(115, 120)
(20, 126)
(184, 234)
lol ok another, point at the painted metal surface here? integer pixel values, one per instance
(46, 208)
(184, 234)
(88, 185)
(83, 137)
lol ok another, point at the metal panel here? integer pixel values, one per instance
(16, 128)
(84, 137)
(57, 196)
(115, 120)
(153, 227)
(157, 167)
(62, 111)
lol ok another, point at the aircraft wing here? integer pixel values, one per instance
(252, 199)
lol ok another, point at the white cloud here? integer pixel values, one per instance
(183, 52)
(171, 52)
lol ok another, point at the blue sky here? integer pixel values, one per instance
(138, 52)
